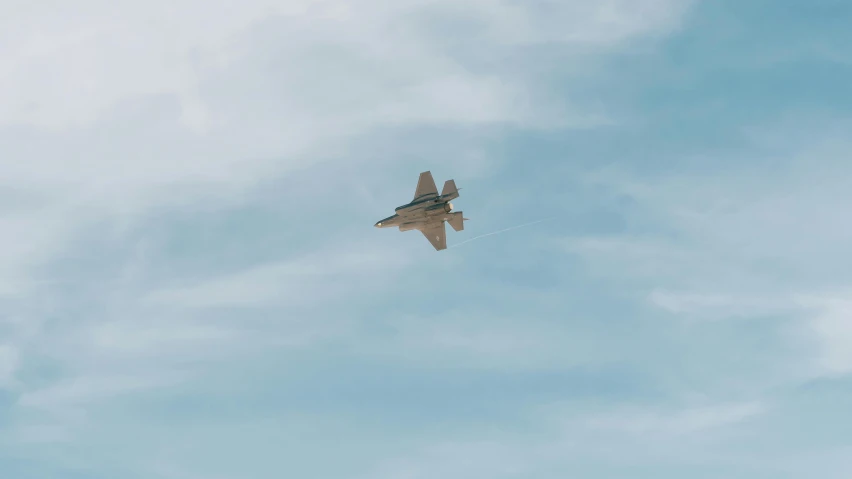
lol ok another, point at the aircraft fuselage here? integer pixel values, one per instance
(427, 212)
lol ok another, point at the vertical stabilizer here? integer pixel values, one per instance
(425, 187)
(450, 188)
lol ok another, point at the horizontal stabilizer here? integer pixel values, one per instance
(457, 221)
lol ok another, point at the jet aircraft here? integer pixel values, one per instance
(428, 211)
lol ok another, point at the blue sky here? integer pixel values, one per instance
(191, 286)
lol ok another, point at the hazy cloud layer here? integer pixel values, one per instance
(191, 286)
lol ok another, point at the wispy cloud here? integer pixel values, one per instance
(748, 240)
(830, 324)
(477, 339)
(83, 391)
(721, 306)
(679, 423)
(563, 438)
(275, 83)
(295, 282)
(188, 292)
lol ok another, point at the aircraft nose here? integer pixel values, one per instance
(378, 225)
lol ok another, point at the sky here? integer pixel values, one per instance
(191, 286)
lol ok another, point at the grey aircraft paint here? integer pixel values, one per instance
(428, 212)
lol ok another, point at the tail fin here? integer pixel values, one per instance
(457, 221)
(449, 188)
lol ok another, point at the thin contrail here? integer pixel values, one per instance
(501, 231)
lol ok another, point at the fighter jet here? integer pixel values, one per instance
(428, 211)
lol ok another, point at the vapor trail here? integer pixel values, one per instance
(501, 231)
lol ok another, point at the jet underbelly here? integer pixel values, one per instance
(417, 212)
(412, 225)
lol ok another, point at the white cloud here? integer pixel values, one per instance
(559, 437)
(59, 412)
(87, 92)
(116, 113)
(830, 326)
(155, 339)
(456, 459)
(160, 338)
(750, 240)
(604, 23)
(678, 423)
(482, 340)
(720, 306)
(71, 398)
(301, 281)
(69, 64)
(267, 79)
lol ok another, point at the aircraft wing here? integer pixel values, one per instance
(437, 235)
(425, 187)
